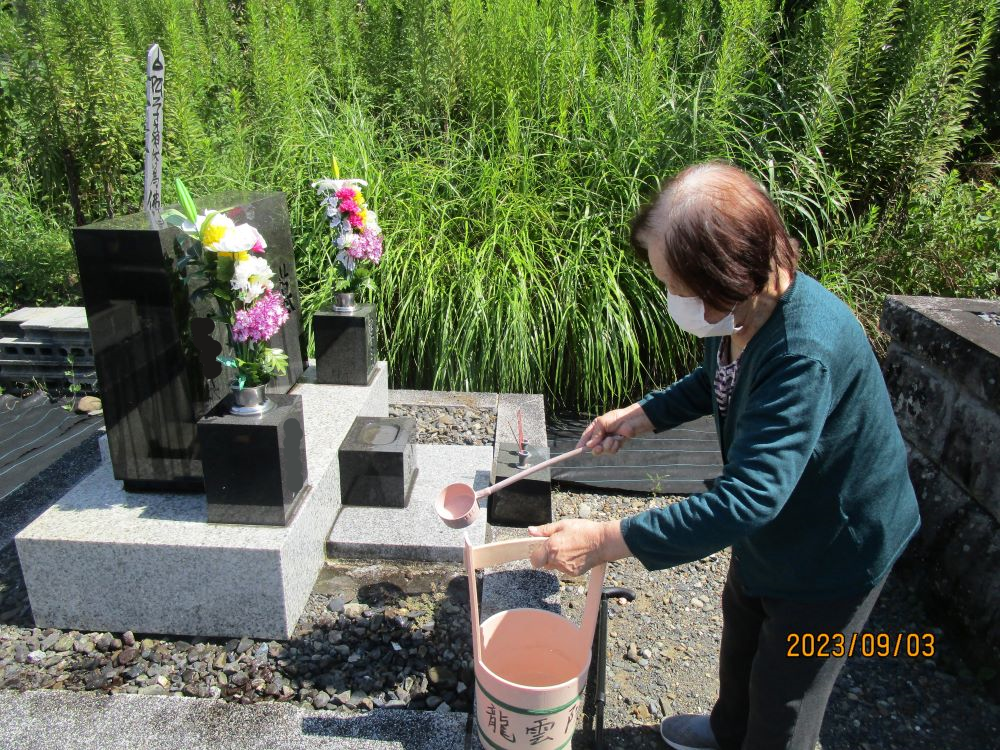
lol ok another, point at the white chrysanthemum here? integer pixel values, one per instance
(251, 278)
(326, 185)
(239, 239)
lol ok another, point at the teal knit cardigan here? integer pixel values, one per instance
(814, 497)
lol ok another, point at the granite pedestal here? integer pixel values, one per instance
(105, 559)
(376, 462)
(345, 345)
(255, 466)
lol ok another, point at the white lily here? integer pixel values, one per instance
(239, 239)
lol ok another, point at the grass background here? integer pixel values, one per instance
(508, 144)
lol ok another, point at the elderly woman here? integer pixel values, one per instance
(814, 496)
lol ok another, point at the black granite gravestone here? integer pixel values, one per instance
(255, 467)
(377, 465)
(527, 502)
(345, 346)
(158, 374)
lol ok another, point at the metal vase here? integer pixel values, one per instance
(250, 401)
(344, 302)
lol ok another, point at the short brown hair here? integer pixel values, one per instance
(722, 233)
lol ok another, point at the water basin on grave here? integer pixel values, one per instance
(379, 434)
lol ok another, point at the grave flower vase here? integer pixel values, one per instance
(249, 401)
(345, 338)
(254, 464)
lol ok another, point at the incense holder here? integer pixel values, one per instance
(528, 501)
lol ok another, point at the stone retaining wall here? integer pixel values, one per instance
(943, 375)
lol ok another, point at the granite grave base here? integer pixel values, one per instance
(105, 559)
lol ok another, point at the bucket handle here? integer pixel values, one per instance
(497, 553)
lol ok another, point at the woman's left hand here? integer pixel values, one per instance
(574, 546)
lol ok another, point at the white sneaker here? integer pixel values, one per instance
(688, 732)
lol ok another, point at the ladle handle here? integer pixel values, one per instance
(487, 491)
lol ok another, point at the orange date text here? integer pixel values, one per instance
(882, 645)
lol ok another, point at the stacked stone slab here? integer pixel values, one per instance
(102, 558)
(43, 343)
(943, 374)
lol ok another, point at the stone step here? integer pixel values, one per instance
(43, 719)
(10, 324)
(192, 577)
(416, 532)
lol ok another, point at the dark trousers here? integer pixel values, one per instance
(767, 699)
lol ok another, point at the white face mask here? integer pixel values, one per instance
(689, 314)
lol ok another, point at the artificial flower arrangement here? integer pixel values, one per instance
(229, 259)
(357, 237)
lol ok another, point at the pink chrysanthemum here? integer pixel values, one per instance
(261, 321)
(346, 193)
(349, 206)
(356, 221)
(367, 245)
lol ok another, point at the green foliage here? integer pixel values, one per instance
(508, 142)
(951, 240)
(37, 266)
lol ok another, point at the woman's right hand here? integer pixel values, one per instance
(628, 422)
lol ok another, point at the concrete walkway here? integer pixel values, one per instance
(60, 720)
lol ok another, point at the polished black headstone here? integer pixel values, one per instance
(377, 465)
(255, 467)
(345, 346)
(527, 502)
(154, 352)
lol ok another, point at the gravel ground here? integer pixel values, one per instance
(673, 627)
(449, 425)
(375, 633)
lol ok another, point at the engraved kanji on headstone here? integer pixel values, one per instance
(154, 130)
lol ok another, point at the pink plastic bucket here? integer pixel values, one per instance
(531, 665)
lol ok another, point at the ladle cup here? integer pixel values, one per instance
(458, 504)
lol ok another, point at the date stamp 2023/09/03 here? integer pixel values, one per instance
(836, 645)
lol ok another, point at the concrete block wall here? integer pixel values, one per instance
(943, 374)
(37, 344)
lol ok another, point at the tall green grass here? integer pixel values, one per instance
(507, 145)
